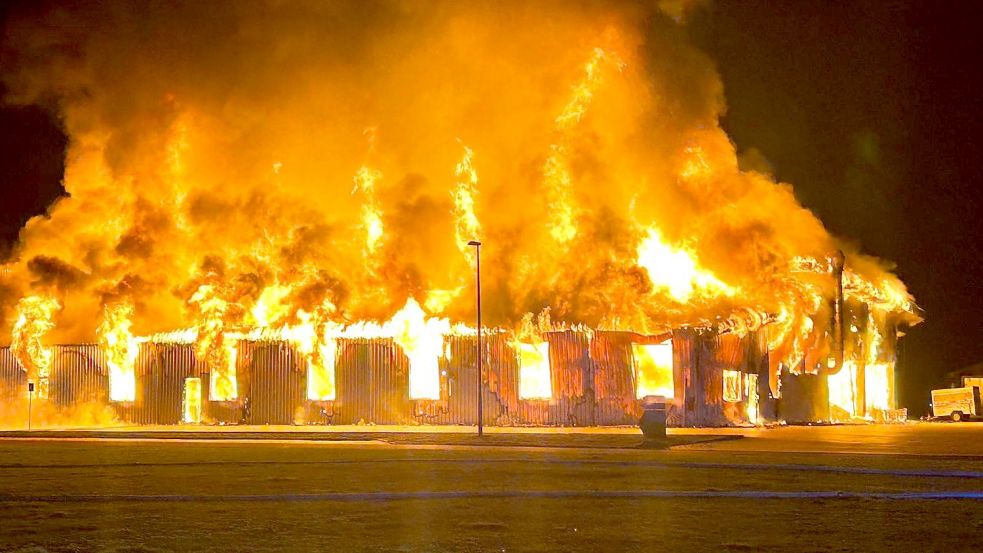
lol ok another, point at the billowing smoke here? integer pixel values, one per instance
(244, 163)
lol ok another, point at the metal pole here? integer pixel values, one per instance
(477, 250)
(30, 396)
(477, 270)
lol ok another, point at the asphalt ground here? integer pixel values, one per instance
(868, 488)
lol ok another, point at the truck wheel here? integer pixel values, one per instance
(957, 416)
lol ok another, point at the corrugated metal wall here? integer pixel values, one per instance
(458, 402)
(372, 383)
(160, 373)
(614, 376)
(592, 373)
(78, 375)
(272, 383)
(699, 359)
(13, 379)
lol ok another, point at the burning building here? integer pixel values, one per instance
(268, 210)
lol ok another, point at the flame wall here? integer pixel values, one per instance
(239, 164)
(592, 372)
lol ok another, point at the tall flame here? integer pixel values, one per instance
(34, 320)
(222, 383)
(218, 191)
(563, 225)
(212, 347)
(365, 180)
(422, 339)
(121, 350)
(465, 190)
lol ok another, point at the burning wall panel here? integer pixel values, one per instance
(572, 379)
(78, 376)
(683, 409)
(276, 389)
(844, 396)
(12, 376)
(13, 391)
(161, 373)
(614, 378)
(77, 389)
(702, 359)
(591, 375)
(459, 385)
(372, 379)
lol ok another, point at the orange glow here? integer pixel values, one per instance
(653, 369)
(310, 193)
(121, 351)
(320, 373)
(843, 390)
(467, 226)
(732, 385)
(534, 370)
(222, 383)
(676, 271)
(191, 403)
(877, 386)
(751, 392)
(422, 340)
(34, 320)
(365, 180)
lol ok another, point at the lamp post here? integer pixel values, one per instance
(30, 396)
(477, 273)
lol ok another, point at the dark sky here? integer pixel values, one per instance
(870, 109)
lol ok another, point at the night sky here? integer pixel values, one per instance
(870, 109)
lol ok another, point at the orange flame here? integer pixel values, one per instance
(653, 369)
(34, 320)
(608, 192)
(121, 350)
(676, 271)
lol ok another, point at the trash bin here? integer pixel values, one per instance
(653, 421)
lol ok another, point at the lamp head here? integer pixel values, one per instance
(474, 243)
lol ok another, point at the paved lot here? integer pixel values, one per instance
(916, 438)
(913, 487)
(964, 439)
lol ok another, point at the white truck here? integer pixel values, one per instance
(958, 404)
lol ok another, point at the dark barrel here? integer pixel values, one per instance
(653, 421)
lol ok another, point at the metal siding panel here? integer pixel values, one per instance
(13, 389)
(572, 382)
(373, 383)
(614, 377)
(458, 404)
(78, 376)
(12, 376)
(161, 370)
(276, 383)
(592, 380)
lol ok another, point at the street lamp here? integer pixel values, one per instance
(477, 274)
